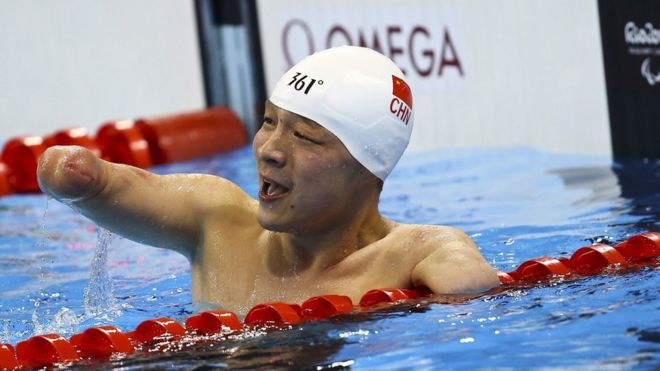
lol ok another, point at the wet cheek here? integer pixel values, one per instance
(329, 189)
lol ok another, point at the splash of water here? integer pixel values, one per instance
(64, 322)
(41, 312)
(97, 295)
(43, 320)
(98, 299)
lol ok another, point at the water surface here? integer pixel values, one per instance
(516, 203)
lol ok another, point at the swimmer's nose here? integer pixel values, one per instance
(272, 150)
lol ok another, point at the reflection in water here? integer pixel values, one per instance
(601, 181)
(640, 183)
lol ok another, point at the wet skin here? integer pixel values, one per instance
(315, 229)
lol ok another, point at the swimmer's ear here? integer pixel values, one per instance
(380, 184)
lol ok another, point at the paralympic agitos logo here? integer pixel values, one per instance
(644, 41)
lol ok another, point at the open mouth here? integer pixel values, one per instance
(271, 190)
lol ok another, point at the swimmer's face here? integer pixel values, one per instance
(308, 180)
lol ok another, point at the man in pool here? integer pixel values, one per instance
(333, 129)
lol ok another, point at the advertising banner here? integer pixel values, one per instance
(483, 73)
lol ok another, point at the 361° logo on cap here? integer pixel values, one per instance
(402, 103)
(300, 83)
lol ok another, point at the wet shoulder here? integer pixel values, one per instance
(215, 191)
(224, 204)
(414, 242)
(391, 260)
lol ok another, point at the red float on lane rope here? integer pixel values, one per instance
(191, 135)
(150, 329)
(5, 180)
(320, 307)
(7, 357)
(43, 350)
(213, 322)
(73, 137)
(641, 246)
(504, 277)
(142, 144)
(21, 156)
(273, 314)
(593, 259)
(102, 341)
(540, 269)
(374, 297)
(298, 309)
(122, 142)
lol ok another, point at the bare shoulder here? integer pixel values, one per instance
(213, 191)
(428, 239)
(445, 259)
(219, 199)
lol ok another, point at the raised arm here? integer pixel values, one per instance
(164, 211)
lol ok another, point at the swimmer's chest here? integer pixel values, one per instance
(233, 270)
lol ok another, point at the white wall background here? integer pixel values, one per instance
(533, 70)
(79, 63)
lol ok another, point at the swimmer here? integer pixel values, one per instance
(333, 129)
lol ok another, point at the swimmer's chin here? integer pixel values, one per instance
(273, 227)
(282, 228)
(272, 223)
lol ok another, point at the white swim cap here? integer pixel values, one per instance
(357, 94)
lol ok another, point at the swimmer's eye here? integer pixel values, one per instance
(267, 121)
(300, 135)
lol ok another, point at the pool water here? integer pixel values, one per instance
(516, 203)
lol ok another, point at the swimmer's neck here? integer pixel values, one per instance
(320, 252)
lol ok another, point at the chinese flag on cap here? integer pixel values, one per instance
(401, 90)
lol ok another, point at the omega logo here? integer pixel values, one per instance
(427, 54)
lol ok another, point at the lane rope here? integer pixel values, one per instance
(141, 142)
(166, 334)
